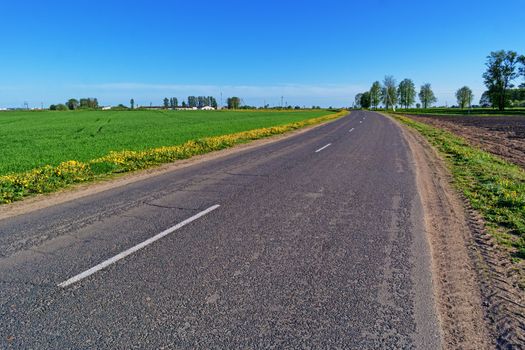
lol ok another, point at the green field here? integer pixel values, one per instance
(30, 139)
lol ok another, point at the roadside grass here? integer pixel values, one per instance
(31, 139)
(493, 186)
(49, 178)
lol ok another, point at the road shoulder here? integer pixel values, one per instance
(457, 286)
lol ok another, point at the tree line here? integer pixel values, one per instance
(503, 68)
(390, 94)
(191, 102)
(73, 103)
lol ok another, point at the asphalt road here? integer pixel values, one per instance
(310, 247)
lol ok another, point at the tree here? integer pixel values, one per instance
(464, 96)
(365, 99)
(88, 103)
(233, 102)
(61, 107)
(375, 94)
(72, 104)
(485, 100)
(522, 69)
(166, 103)
(192, 101)
(426, 96)
(357, 100)
(389, 94)
(173, 102)
(184, 104)
(213, 102)
(132, 103)
(406, 93)
(501, 71)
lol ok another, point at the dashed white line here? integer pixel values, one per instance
(351, 130)
(322, 148)
(132, 250)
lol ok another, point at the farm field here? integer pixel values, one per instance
(32, 139)
(467, 112)
(503, 136)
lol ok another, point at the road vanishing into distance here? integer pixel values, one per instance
(313, 241)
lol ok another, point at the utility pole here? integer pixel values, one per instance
(282, 98)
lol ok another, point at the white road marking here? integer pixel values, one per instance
(360, 121)
(132, 250)
(351, 130)
(322, 148)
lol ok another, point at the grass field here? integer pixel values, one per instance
(493, 186)
(31, 139)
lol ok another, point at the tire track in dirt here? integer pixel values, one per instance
(479, 305)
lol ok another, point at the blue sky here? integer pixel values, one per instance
(310, 52)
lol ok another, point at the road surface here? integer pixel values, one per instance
(313, 241)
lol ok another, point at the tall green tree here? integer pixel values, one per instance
(88, 103)
(522, 69)
(132, 103)
(365, 99)
(502, 69)
(485, 100)
(72, 104)
(357, 100)
(166, 103)
(464, 96)
(233, 102)
(389, 93)
(192, 101)
(406, 92)
(426, 96)
(375, 94)
(213, 101)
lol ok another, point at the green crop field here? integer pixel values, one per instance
(30, 139)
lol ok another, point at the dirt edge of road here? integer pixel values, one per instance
(456, 284)
(73, 192)
(478, 308)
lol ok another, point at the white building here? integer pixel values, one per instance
(207, 108)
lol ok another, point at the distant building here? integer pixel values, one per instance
(106, 108)
(207, 108)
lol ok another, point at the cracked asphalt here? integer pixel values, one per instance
(307, 250)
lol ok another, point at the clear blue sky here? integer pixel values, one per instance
(312, 52)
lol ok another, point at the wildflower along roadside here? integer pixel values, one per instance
(48, 178)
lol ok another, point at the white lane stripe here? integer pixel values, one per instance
(351, 130)
(132, 250)
(322, 148)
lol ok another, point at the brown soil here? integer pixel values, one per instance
(477, 304)
(503, 136)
